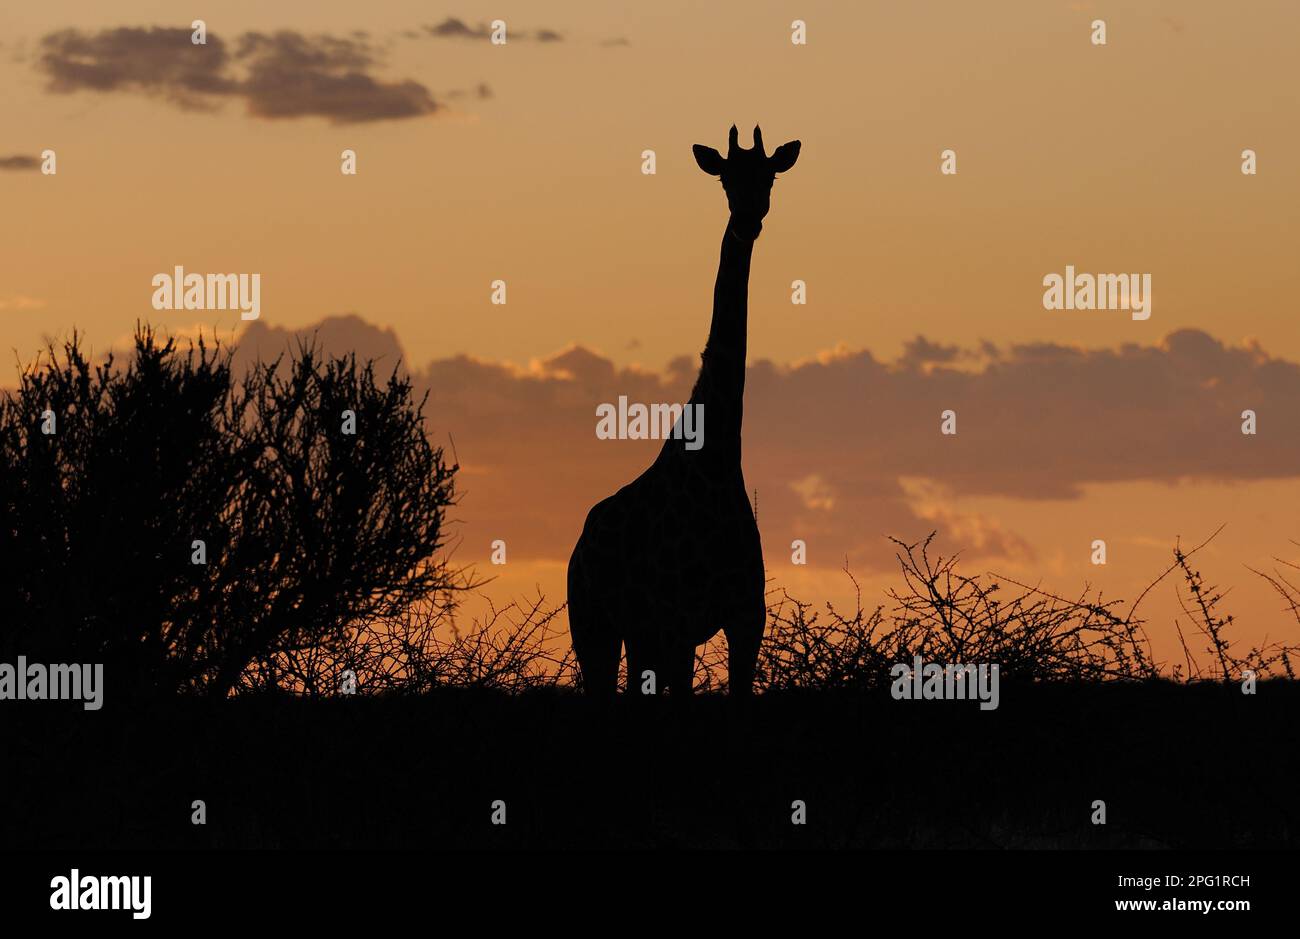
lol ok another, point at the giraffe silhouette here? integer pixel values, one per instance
(674, 555)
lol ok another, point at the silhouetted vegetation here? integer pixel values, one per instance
(1201, 604)
(937, 613)
(518, 647)
(943, 615)
(110, 476)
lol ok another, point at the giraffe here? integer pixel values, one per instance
(674, 556)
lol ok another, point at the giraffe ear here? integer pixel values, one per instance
(710, 160)
(785, 156)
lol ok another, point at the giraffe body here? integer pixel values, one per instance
(675, 555)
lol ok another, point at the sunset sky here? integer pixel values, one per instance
(522, 162)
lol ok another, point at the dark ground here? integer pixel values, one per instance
(1178, 767)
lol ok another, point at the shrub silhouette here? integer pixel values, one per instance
(515, 648)
(307, 529)
(943, 615)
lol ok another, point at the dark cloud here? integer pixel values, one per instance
(156, 60)
(921, 351)
(317, 53)
(291, 75)
(453, 28)
(335, 336)
(279, 75)
(846, 449)
(20, 161)
(456, 29)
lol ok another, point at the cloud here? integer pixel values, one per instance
(921, 351)
(315, 53)
(845, 449)
(279, 75)
(291, 75)
(20, 161)
(156, 60)
(453, 28)
(814, 492)
(335, 335)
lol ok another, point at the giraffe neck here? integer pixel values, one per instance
(721, 385)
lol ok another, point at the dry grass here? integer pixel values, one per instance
(936, 612)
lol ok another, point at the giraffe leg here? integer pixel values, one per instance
(596, 642)
(597, 648)
(743, 640)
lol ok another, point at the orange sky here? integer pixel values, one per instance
(1119, 158)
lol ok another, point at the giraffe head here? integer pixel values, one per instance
(747, 177)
